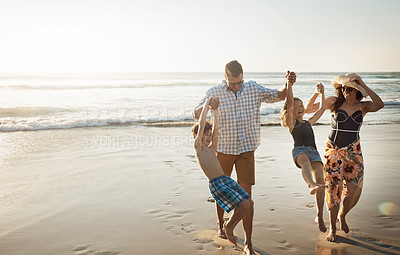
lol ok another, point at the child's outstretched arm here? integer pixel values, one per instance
(202, 121)
(311, 106)
(290, 104)
(322, 106)
(215, 128)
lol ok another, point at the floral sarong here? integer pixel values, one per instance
(342, 165)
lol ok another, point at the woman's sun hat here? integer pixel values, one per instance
(343, 80)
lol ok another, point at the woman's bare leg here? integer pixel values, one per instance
(351, 199)
(333, 213)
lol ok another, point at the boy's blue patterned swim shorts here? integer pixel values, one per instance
(227, 193)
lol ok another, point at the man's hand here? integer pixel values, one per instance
(291, 77)
(214, 103)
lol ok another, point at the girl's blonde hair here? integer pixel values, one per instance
(284, 112)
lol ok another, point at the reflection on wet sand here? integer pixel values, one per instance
(343, 244)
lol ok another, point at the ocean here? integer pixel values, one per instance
(78, 100)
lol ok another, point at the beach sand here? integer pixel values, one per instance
(139, 190)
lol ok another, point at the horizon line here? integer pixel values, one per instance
(95, 72)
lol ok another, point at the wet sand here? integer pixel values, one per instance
(139, 190)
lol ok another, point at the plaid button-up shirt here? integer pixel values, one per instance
(239, 115)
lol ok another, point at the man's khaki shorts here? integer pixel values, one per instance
(244, 165)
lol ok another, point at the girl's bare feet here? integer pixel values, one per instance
(229, 233)
(321, 224)
(314, 187)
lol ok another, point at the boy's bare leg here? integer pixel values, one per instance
(236, 216)
(333, 213)
(351, 199)
(318, 173)
(221, 221)
(226, 162)
(248, 223)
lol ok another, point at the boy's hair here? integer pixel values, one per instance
(195, 128)
(233, 68)
(284, 112)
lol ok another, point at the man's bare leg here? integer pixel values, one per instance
(236, 216)
(248, 223)
(351, 199)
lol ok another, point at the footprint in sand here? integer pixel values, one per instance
(208, 242)
(310, 205)
(173, 220)
(274, 228)
(81, 248)
(173, 230)
(184, 228)
(264, 159)
(298, 195)
(192, 157)
(264, 195)
(285, 245)
(154, 211)
(201, 243)
(271, 227)
(187, 228)
(168, 202)
(174, 216)
(169, 163)
(84, 250)
(177, 191)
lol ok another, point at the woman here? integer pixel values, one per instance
(344, 161)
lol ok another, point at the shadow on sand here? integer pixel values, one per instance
(261, 252)
(367, 243)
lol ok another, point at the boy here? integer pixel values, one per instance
(226, 192)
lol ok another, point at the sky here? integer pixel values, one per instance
(199, 36)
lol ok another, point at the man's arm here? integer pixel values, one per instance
(291, 77)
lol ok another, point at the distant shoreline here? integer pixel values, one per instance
(161, 125)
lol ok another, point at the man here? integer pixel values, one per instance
(239, 134)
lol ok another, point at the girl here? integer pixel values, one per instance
(305, 154)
